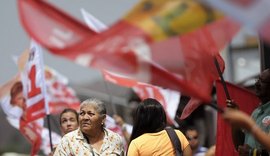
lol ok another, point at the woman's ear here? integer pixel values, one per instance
(103, 119)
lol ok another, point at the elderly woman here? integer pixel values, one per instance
(92, 138)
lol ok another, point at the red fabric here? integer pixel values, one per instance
(60, 95)
(247, 102)
(32, 131)
(200, 43)
(145, 91)
(34, 93)
(56, 28)
(118, 47)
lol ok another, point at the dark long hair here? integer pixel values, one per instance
(149, 117)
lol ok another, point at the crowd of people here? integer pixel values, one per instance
(84, 132)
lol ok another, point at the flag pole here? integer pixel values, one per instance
(47, 108)
(110, 96)
(215, 106)
(222, 79)
(50, 131)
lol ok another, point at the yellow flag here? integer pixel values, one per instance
(165, 18)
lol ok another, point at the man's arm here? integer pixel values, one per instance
(241, 119)
(238, 135)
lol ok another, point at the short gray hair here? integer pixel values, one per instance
(98, 104)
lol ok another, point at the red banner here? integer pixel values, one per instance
(32, 131)
(34, 87)
(168, 98)
(129, 46)
(59, 94)
(247, 102)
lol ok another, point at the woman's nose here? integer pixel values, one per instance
(86, 117)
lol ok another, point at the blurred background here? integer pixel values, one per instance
(242, 59)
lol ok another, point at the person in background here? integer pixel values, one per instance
(14, 104)
(91, 138)
(126, 129)
(149, 136)
(261, 116)
(192, 135)
(69, 120)
(16, 96)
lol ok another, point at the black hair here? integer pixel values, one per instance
(150, 117)
(191, 128)
(69, 110)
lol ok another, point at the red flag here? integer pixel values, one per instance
(34, 90)
(34, 87)
(168, 98)
(124, 45)
(207, 71)
(59, 94)
(32, 131)
(247, 102)
(213, 30)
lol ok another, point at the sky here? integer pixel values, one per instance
(14, 40)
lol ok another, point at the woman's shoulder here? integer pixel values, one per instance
(111, 133)
(73, 134)
(113, 137)
(179, 133)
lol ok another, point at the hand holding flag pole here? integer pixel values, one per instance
(229, 101)
(224, 86)
(222, 79)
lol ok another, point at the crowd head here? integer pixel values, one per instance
(150, 117)
(92, 115)
(69, 120)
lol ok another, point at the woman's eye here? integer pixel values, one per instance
(72, 119)
(81, 113)
(91, 114)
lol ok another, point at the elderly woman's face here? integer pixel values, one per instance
(90, 119)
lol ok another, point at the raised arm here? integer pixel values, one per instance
(5, 88)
